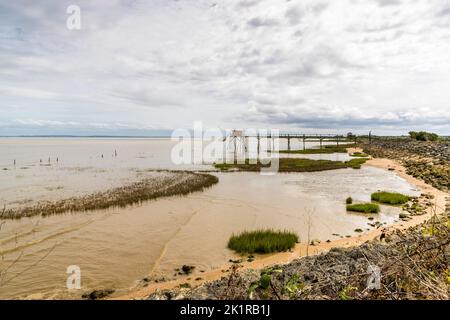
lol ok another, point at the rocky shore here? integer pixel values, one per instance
(425, 160)
(411, 264)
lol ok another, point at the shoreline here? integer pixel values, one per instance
(303, 249)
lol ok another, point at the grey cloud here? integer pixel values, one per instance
(247, 3)
(258, 22)
(383, 3)
(293, 15)
(276, 116)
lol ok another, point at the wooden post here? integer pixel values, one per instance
(304, 141)
(289, 143)
(235, 149)
(257, 137)
(320, 139)
(370, 137)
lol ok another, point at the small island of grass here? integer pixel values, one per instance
(293, 165)
(364, 207)
(392, 198)
(316, 151)
(356, 163)
(262, 241)
(359, 154)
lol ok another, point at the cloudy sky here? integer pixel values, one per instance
(147, 67)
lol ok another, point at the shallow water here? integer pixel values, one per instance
(116, 247)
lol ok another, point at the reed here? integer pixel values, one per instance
(175, 183)
(364, 207)
(392, 198)
(262, 241)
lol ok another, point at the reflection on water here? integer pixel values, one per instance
(116, 247)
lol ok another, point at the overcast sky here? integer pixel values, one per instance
(145, 67)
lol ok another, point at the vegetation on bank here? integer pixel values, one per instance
(413, 265)
(316, 151)
(262, 241)
(175, 183)
(423, 136)
(392, 198)
(293, 165)
(356, 163)
(364, 207)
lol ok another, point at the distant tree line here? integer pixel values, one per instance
(423, 136)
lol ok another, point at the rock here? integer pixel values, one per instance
(97, 294)
(187, 269)
(235, 261)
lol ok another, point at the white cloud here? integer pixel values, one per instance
(349, 64)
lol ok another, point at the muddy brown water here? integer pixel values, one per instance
(115, 248)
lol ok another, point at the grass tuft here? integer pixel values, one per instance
(390, 197)
(262, 241)
(364, 207)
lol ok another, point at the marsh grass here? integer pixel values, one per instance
(356, 163)
(392, 198)
(294, 165)
(262, 241)
(176, 183)
(359, 154)
(316, 151)
(364, 207)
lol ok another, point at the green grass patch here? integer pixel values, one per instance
(316, 151)
(390, 197)
(294, 165)
(356, 163)
(364, 207)
(262, 241)
(359, 154)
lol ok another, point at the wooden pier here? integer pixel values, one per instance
(240, 139)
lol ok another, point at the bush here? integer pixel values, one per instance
(423, 136)
(364, 207)
(349, 200)
(262, 241)
(390, 197)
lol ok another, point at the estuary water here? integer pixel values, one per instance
(116, 247)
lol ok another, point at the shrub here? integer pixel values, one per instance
(364, 207)
(262, 241)
(423, 136)
(390, 197)
(349, 200)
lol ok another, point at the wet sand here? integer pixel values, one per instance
(303, 249)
